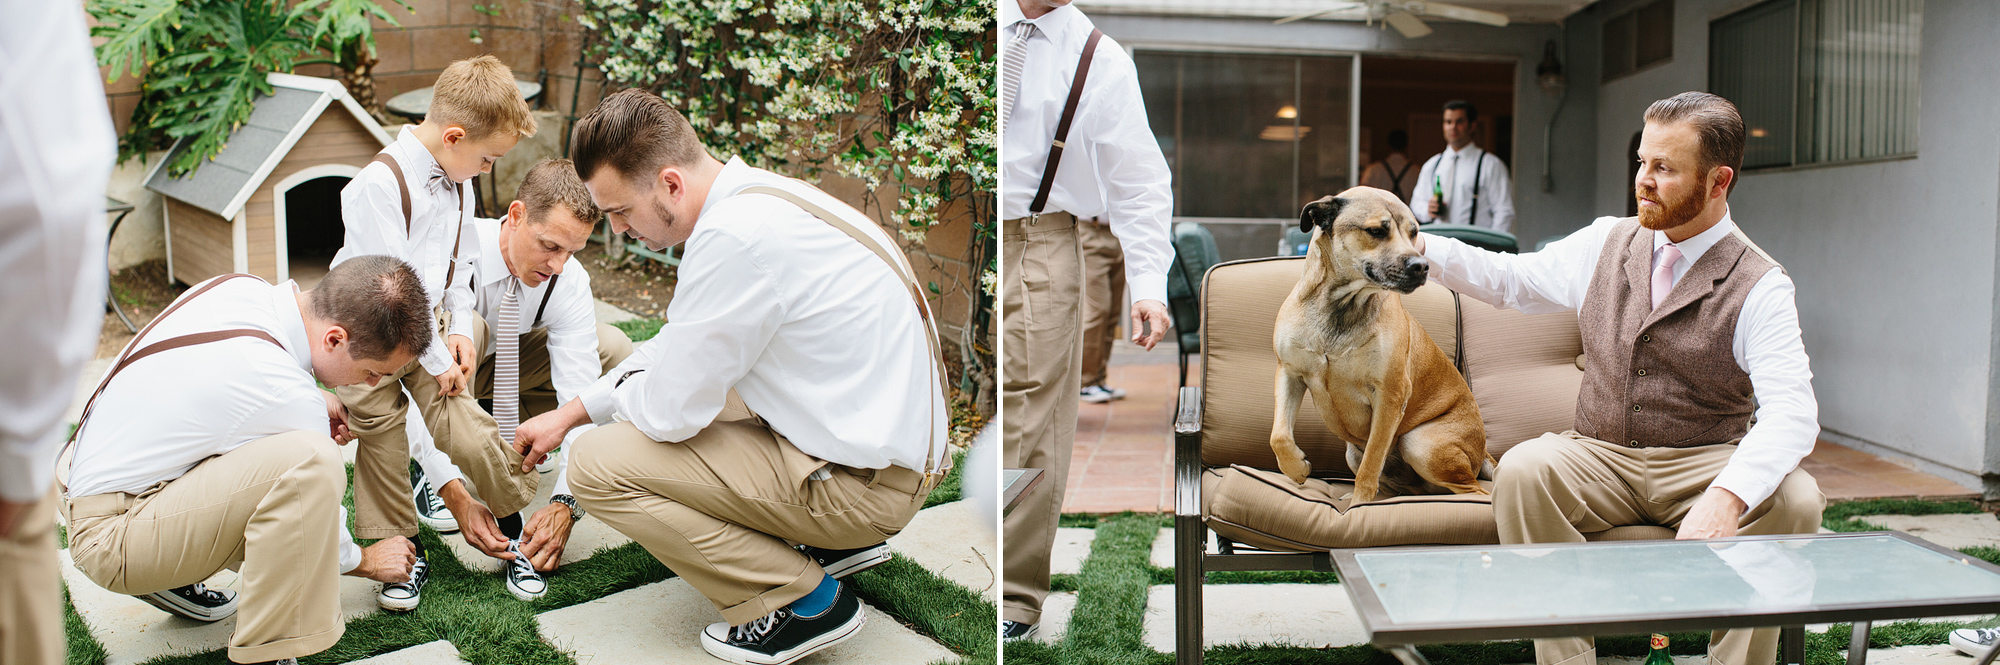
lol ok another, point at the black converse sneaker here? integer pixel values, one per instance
(430, 507)
(782, 637)
(1015, 631)
(841, 563)
(522, 580)
(195, 601)
(1974, 642)
(404, 596)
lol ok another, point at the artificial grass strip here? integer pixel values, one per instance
(84, 649)
(953, 615)
(1839, 517)
(640, 330)
(1107, 626)
(949, 489)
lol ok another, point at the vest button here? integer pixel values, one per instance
(1635, 443)
(1645, 338)
(1635, 408)
(1642, 372)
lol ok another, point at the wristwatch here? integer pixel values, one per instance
(575, 513)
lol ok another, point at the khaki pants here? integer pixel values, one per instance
(718, 508)
(269, 509)
(1556, 488)
(536, 375)
(1039, 394)
(1103, 292)
(465, 432)
(31, 621)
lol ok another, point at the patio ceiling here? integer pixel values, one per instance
(1517, 11)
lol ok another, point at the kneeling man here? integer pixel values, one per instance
(804, 308)
(209, 446)
(1689, 332)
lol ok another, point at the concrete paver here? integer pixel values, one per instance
(661, 622)
(954, 542)
(1056, 610)
(428, 653)
(1163, 548)
(1072, 546)
(1307, 615)
(1953, 531)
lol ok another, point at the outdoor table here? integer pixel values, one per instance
(112, 205)
(416, 103)
(1014, 484)
(1468, 593)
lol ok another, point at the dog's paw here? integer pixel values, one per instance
(1295, 468)
(1365, 492)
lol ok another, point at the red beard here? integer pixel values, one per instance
(1671, 214)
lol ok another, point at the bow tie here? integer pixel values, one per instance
(439, 182)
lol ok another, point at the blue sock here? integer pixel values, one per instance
(819, 600)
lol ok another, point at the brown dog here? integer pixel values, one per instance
(1379, 381)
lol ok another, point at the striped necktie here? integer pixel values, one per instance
(1011, 63)
(507, 363)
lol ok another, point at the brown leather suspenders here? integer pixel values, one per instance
(1062, 126)
(403, 187)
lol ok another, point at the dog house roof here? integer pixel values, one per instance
(223, 184)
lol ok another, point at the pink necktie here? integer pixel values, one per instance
(1663, 274)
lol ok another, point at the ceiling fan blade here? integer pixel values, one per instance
(1456, 12)
(1411, 26)
(1315, 14)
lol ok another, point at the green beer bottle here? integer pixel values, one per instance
(1659, 654)
(1437, 194)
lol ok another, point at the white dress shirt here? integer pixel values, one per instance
(812, 329)
(571, 319)
(56, 154)
(1496, 190)
(168, 412)
(1766, 344)
(372, 210)
(1111, 167)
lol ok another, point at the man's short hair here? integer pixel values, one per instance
(1398, 140)
(381, 303)
(1471, 112)
(1712, 117)
(635, 133)
(551, 184)
(479, 96)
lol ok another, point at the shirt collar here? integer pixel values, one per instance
(1693, 248)
(1053, 25)
(735, 175)
(292, 323)
(417, 160)
(1469, 148)
(492, 267)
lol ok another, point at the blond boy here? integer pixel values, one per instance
(414, 203)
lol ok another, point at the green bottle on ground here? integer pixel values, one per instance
(1659, 654)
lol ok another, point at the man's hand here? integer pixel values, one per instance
(541, 434)
(388, 561)
(1151, 313)
(336, 420)
(545, 534)
(1434, 208)
(1420, 244)
(1715, 515)
(465, 353)
(475, 520)
(11, 512)
(451, 382)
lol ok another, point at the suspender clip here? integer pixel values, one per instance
(1032, 217)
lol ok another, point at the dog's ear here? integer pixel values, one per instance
(1320, 213)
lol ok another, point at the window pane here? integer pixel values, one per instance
(1863, 60)
(1750, 60)
(1619, 34)
(1248, 135)
(1655, 32)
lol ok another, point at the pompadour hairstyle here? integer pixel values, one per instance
(479, 96)
(1715, 119)
(381, 303)
(553, 183)
(636, 134)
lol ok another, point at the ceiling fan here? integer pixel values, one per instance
(1402, 14)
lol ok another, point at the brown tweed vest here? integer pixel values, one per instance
(1665, 377)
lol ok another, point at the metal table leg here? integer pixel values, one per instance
(1408, 654)
(111, 298)
(1857, 646)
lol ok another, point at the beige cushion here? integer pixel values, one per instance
(1240, 302)
(1642, 532)
(1267, 510)
(1523, 371)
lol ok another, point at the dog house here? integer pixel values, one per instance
(269, 203)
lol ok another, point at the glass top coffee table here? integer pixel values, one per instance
(1429, 595)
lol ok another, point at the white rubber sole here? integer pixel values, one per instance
(174, 605)
(1970, 647)
(524, 594)
(712, 641)
(859, 562)
(398, 604)
(442, 525)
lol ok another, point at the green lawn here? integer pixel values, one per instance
(1106, 625)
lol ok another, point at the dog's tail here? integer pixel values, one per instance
(1486, 469)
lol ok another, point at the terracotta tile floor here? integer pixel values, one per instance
(1124, 456)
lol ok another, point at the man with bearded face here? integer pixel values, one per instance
(1684, 320)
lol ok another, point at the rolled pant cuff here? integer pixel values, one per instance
(384, 532)
(293, 647)
(1021, 615)
(769, 601)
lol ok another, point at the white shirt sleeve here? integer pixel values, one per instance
(723, 316)
(1768, 346)
(458, 297)
(350, 553)
(1420, 193)
(1499, 190)
(57, 149)
(372, 211)
(1552, 280)
(572, 323)
(1137, 184)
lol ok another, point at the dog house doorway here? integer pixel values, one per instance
(309, 226)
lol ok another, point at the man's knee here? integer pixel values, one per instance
(1530, 465)
(313, 460)
(1796, 505)
(613, 347)
(589, 479)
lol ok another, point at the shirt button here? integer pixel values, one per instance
(1645, 338)
(1635, 408)
(1642, 372)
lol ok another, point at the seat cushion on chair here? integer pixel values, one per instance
(1641, 532)
(1240, 302)
(1523, 371)
(1266, 509)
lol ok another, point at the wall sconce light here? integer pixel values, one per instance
(1288, 112)
(1550, 72)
